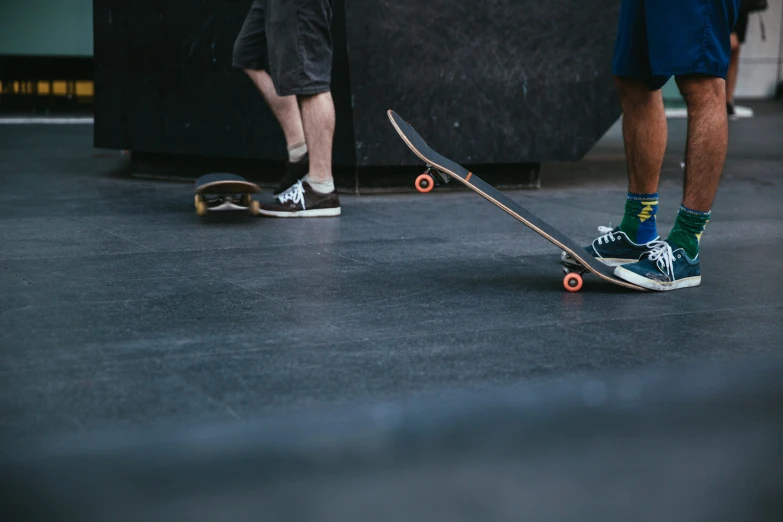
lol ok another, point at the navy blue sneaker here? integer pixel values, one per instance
(662, 269)
(613, 248)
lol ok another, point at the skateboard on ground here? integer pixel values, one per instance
(223, 191)
(440, 170)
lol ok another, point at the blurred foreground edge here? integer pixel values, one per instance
(691, 444)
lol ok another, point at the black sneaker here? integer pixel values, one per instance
(300, 200)
(294, 171)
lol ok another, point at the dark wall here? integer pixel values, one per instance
(484, 82)
(165, 82)
(498, 81)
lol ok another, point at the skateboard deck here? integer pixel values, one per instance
(224, 191)
(440, 169)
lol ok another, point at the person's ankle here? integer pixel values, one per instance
(692, 251)
(639, 221)
(320, 183)
(297, 151)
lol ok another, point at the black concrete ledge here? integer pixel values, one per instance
(496, 82)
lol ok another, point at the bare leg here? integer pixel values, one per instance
(731, 76)
(318, 119)
(708, 138)
(644, 134)
(284, 108)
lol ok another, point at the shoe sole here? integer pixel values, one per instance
(568, 260)
(661, 286)
(317, 212)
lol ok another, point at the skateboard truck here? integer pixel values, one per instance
(430, 179)
(225, 191)
(226, 202)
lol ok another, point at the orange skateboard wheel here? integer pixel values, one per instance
(425, 183)
(572, 282)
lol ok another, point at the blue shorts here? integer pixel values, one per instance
(658, 39)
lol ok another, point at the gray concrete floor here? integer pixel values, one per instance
(120, 307)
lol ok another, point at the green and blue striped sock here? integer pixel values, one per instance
(687, 230)
(639, 222)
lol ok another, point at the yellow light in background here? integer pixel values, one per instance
(45, 88)
(84, 89)
(59, 88)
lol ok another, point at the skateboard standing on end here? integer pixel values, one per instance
(441, 169)
(223, 191)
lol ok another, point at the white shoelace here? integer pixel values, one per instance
(607, 235)
(661, 253)
(295, 195)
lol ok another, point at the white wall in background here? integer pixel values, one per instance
(761, 61)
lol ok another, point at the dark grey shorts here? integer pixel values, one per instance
(290, 39)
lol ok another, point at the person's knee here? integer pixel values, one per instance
(252, 72)
(633, 90)
(318, 96)
(700, 90)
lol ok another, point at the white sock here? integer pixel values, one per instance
(324, 187)
(297, 152)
